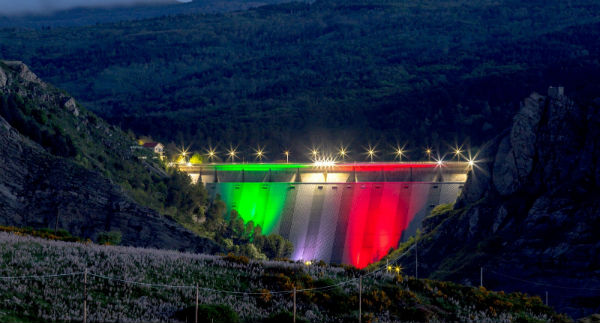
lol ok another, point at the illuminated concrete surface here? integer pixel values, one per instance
(348, 213)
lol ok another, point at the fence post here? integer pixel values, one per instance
(360, 299)
(294, 304)
(196, 315)
(85, 296)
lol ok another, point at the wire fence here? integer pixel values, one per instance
(357, 280)
(153, 285)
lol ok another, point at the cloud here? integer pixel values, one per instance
(19, 7)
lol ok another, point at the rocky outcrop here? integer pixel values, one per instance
(71, 106)
(529, 213)
(23, 71)
(40, 190)
(3, 78)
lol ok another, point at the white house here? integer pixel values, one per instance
(156, 147)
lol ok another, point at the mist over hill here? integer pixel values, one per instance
(87, 14)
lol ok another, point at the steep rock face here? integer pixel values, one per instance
(39, 189)
(530, 210)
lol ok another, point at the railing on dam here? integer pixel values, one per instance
(338, 173)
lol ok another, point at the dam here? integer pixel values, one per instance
(351, 213)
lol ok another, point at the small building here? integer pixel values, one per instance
(556, 91)
(156, 147)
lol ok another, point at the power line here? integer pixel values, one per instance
(239, 293)
(543, 284)
(246, 293)
(132, 282)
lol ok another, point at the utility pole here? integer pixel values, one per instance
(546, 298)
(85, 296)
(360, 299)
(196, 315)
(294, 304)
(481, 276)
(416, 258)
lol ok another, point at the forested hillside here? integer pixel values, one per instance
(377, 70)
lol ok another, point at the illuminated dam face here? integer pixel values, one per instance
(348, 213)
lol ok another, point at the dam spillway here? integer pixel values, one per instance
(346, 213)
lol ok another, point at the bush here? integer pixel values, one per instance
(242, 260)
(275, 246)
(112, 238)
(208, 313)
(284, 317)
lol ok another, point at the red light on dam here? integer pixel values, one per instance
(347, 213)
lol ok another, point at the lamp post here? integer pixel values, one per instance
(211, 155)
(232, 154)
(457, 153)
(371, 153)
(260, 153)
(343, 153)
(314, 152)
(399, 153)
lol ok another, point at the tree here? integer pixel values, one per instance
(215, 216)
(112, 238)
(248, 231)
(236, 225)
(196, 159)
(275, 246)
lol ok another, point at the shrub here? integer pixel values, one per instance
(242, 260)
(283, 317)
(112, 238)
(208, 313)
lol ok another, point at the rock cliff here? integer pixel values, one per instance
(39, 189)
(529, 214)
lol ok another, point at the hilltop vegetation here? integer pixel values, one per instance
(285, 75)
(386, 297)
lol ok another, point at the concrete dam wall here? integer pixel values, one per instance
(351, 214)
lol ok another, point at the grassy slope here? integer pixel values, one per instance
(386, 297)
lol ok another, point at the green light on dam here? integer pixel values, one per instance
(258, 167)
(257, 202)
